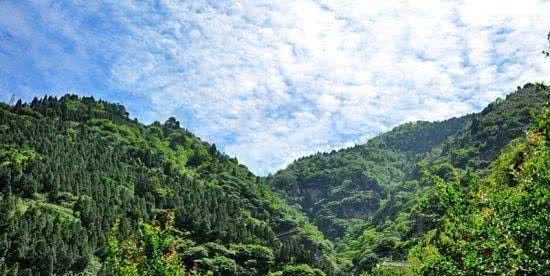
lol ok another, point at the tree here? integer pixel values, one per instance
(18, 105)
(368, 262)
(151, 252)
(197, 158)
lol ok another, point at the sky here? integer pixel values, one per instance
(271, 81)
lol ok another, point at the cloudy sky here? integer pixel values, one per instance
(270, 81)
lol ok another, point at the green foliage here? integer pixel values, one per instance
(150, 251)
(372, 198)
(36, 236)
(82, 187)
(367, 262)
(499, 225)
(17, 158)
(301, 270)
(85, 163)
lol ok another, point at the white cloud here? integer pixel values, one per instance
(270, 81)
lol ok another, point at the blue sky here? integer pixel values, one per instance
(270, 81)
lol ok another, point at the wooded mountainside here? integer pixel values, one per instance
(86, 190)
(83, 185)
(369, 199)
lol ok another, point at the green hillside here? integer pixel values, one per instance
(493, 225)
(365, 198)
(83, 185)
(85, 190)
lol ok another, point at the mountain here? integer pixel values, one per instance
(365, 198)
(85, 189)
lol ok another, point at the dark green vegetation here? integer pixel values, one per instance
(499, 224)
(84, 189)
(374, 201)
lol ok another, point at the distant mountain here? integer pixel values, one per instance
(364, 197)
(81, 185)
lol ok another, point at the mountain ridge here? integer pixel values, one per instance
(378, 181)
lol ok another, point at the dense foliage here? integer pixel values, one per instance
(82, 186)
(150, 251)
(373, 200)
(86, 190)
(497, 225)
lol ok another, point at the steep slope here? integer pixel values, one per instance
(365, 196)
(352, 183)
(76, 174)
(497, 224)
(488, 132)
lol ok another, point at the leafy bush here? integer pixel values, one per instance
(301, 270)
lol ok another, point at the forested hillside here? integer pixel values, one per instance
(498, 224)
(368, 198)
(85, 189)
